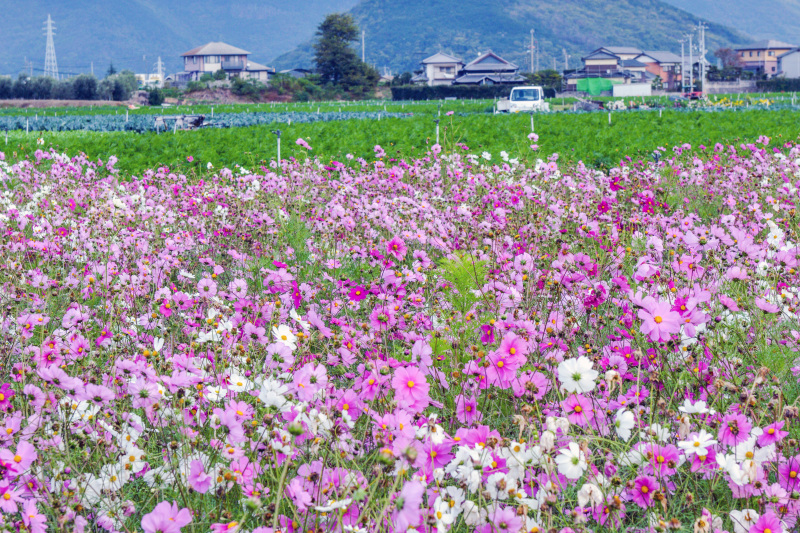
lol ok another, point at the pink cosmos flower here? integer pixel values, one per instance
(658, 319)
(198, 479)
(643, 489)
(467, 409)
(32, 518)
(407, 513)
(765, 306)
(166, 518)
(303, 144)
(397, 248)
(788, 473)
(190, 159)
(206, 287)
(411, 389)
(773, 433)
(308, 380)
(578, 410)
(357, 293)
(504, 520)
(6, 393)
(19, 461)
(735, 428)
(767, 523)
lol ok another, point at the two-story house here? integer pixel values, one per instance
(762, 57)
(214, 56)
(439, 69)
(488, 69)
(627, 64)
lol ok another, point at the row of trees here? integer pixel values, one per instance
(116, 86)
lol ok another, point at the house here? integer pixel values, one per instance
(297, 72)
(439, 69)
(664, 65)
(626, 64)
(213, 56)
(789, 64)
(149, 80)
(489, 69)
(762, 57)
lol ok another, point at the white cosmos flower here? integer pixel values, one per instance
(690, 408)
(305, 325)
(623, 423)
(571, 461)
(577, 375)
(239, 383)
(214, 393)
(590, 494)
(332, 505)
(743, 520)
(699, 444)
(284, 335)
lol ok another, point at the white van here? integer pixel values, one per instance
(527, 98)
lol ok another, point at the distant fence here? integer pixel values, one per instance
(729, 87)
(440, 92)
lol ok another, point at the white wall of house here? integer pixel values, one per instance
(441, 73)
(789, 65)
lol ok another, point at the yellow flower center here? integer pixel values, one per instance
(658, 320)
(410, 384)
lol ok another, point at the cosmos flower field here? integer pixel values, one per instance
(458, 342)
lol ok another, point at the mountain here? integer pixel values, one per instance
(763, 19)
(133, 33)
(400, 34)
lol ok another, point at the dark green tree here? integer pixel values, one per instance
(220, 75)
(84, 87)
(111, 70)
(155, 97)
(337, 62)
(6, 87)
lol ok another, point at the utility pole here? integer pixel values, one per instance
(683, 67)
(702, 27)
(533, 49)
(363, 52)
(691, 64)
(92, 67)
(554, 64)
(566, 59)
(50, 64)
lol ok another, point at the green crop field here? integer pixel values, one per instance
(587, 137)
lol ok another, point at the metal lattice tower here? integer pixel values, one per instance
(159, 68)
(50, 64)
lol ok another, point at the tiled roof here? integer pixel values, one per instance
(216, 49)
(441, 57)
(769, 44)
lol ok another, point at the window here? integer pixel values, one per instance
(773, 69)
(525, 95)
(771, 54)
(759, 54)
(751, 54)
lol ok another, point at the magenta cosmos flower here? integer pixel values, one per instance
(396, 248)
(357, 293)
(767, 523)
(643, 489)
(166, 518)
(411, 389)
(735, 428)
(659, 320)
